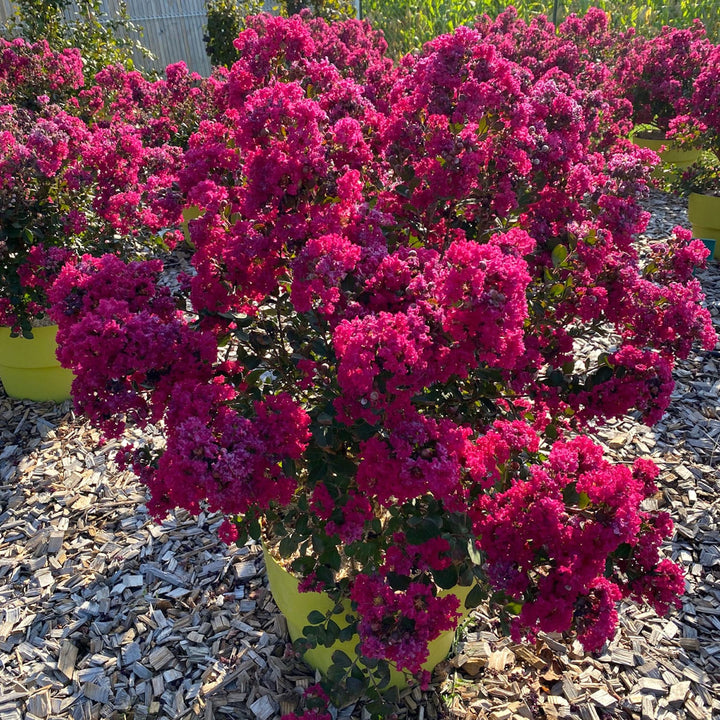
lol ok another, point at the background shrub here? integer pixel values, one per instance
(225, 21)
(101, 38)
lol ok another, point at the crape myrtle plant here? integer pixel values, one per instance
(377, 368)
(31, 70)
(701, 126)
(657, 74)
(84, 26)
(40, 146)
(583, 47)
(98, 175)
(139, 129)
(705, 102)
(165, 110)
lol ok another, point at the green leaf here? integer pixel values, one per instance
(254, 528)
(303, 565)
(316, 617)
(319, 543)
(397, 581)
(333, 631)
(331, 557)
(477, 595)
(342, 659)
(391, 695)
(363, 430)
(382, 673)
(346, 634)
(559, 253)
(335, 673)
(600, 376)
(310, 633)
(325, 575)
(466, 576)
(355, 686)
(446, 578)
(624, 551)
(422, 533)
(317, 471)
(302, 644)
(288, 545)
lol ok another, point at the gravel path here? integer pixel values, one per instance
(107, 614)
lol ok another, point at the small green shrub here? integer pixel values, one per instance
(225, 20)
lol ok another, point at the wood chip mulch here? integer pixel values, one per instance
(105, 613)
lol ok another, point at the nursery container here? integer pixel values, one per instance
(296, 607)
(29, 369)
(704, 216)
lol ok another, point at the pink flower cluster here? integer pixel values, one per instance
(40, 151)
(398, 626)
(705, 101)
(32, 73)
(377, 351)
(548, 536)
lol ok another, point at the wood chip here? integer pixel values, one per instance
(66, 658)
(263, 708)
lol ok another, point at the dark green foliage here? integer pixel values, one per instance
(225, 21)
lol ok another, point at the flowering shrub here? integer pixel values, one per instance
(581, 47)
(164, 110)
(40, 147)
(706, 114)
(700, 127)
(29, 71)
(39, 152)
(377, 362)
(657, 74)
(706, 100)
(99, 176)
(701, 177)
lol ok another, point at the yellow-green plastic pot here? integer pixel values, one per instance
(704, 216)
(671, 155)
(296, 607)
(29, 369)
